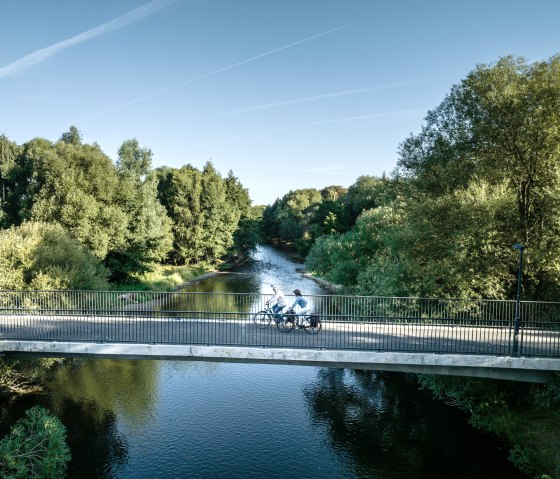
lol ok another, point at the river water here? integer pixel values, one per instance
(179, 419)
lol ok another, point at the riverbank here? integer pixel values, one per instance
(166, 278)
(530, 426)
(330, 287)
(525, 415)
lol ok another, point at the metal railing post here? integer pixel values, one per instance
(516, 321)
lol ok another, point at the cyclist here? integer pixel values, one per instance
(302, 303)
(280, 301)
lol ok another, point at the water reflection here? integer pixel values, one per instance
(128, 388)
(99, 450)
(269, 266)
(164, 419)
(382, 426)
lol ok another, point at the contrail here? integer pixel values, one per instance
(326, 95)
(333, 170)
(213, 72)
(39, 56)
(362, 117)
(393, 113)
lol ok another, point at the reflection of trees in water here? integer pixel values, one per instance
(129, 387)
(382, 426)
(98, 450)
(226, 283)
(88, 396)
(219, 303)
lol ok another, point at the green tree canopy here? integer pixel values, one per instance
(205, 209)
(148, 236)
(35, 447)
(500, 126)
(482, 174)
(44, 256)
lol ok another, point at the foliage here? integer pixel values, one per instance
(288, 220)
(35, 448)
(9, 152)
(43, 256)
(341, 259)
(161, 278)
(148, 234)
(248, 234)
(500, 127)
(301, 217)
(76, 186)
(205, 210)
(72, 136)
(481, 175)
(24, 374)
(126, 214)
(525, 414)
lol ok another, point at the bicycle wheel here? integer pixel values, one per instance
(312, 325)
(286, 324)
(262, 319)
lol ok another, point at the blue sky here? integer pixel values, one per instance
(286, 93)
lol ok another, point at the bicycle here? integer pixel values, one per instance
(310, 323)
(263, 318)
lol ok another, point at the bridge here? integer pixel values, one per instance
(419, 335)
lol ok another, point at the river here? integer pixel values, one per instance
(179, 419)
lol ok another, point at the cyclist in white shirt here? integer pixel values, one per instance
(279, 298)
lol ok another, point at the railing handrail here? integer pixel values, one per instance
(388, 323)
(209, 293)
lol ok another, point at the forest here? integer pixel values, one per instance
(482, 174)
(70, 218)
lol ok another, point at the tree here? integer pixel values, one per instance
(500, 124)
(291, 218)
(35, 447)
(74, 185)
(365, 193)
(205, 210)
(220, 216)
(44, 256)
(148, 236)
(179, 191)
(248, 232)
(73, 136)
(9, 153)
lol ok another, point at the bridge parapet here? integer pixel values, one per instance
(357, 323)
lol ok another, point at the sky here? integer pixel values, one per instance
(287, 94)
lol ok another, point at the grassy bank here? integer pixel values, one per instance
(163, 278)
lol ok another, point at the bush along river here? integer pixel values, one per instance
(182, 419)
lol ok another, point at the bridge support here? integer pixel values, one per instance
(497, 367)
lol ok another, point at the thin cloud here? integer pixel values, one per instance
(39, 56)
(329, 170)
(211, 73)
(398, 114)
(326, 95)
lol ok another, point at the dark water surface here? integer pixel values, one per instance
(173, 419)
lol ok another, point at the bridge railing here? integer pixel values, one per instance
(349, 322)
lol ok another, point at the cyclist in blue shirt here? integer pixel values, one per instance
(302, 303)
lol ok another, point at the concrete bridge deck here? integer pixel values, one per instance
(418, 348)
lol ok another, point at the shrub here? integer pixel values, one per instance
(35, 448)
(43, 256)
